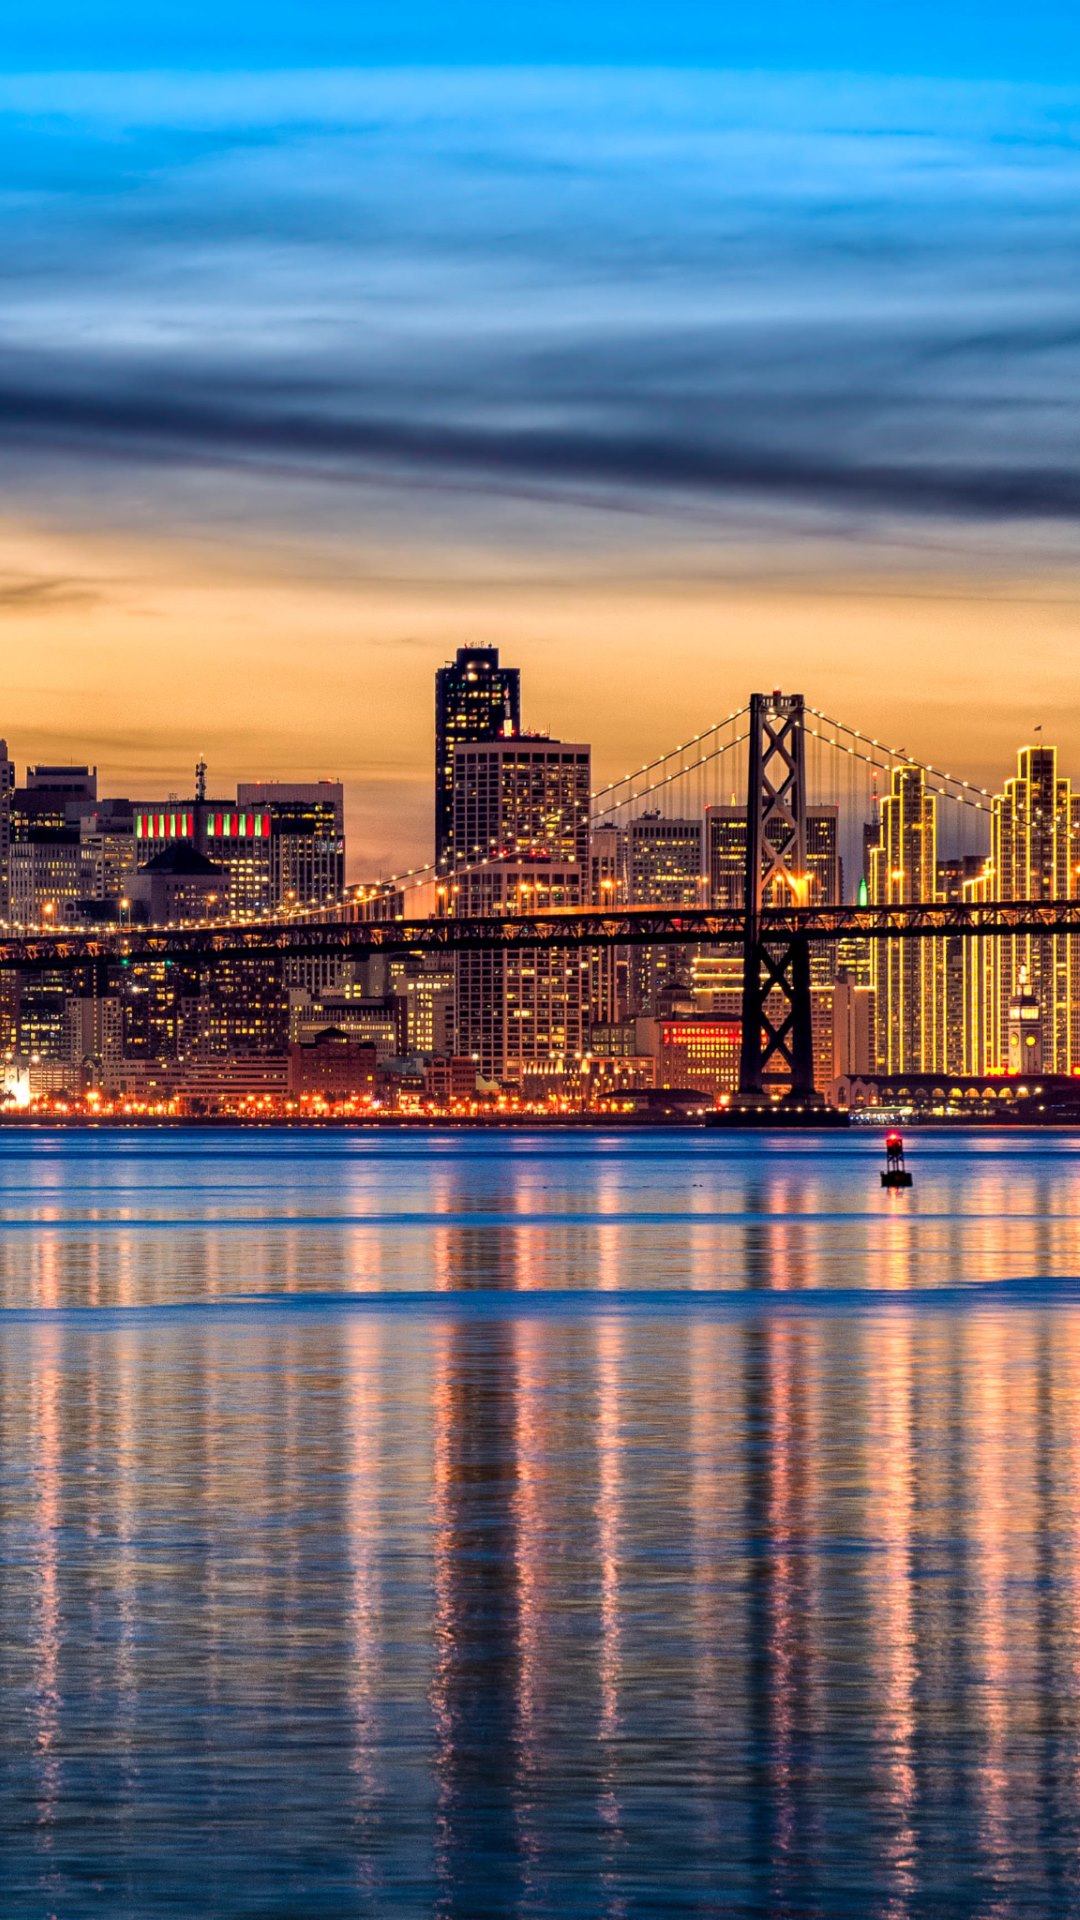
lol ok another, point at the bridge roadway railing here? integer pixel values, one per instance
(297, 936)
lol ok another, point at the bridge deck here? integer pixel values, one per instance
(299, 937)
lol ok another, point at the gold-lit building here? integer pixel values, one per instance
(1034, 854)
(909, 975)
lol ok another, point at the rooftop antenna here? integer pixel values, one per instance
(200, 780)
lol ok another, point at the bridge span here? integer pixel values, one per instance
(297, 937)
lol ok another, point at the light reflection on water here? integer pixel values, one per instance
(580, 1524)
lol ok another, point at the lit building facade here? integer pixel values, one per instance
(664, 869)
(692, 1052)
(609, 967)
(307, 837)
(520, 844)
(515, 1010)
(1034, 855)
(908, 974)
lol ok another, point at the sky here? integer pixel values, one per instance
(677, 352)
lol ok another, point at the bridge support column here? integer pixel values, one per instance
(777, 1034)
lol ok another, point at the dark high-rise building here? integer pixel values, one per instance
(45, 863)
(475, 699)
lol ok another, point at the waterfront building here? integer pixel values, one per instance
(377, 1021)
(691, 1051)
(333, 1065)
(450, 1078)
(1025, 1029)
(476, 699)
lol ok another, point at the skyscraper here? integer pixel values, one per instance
(519, 844)
(1034, 853)
(475, 699)
(908, 974)
(664, 860)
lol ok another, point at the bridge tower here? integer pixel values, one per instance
(777, 1037)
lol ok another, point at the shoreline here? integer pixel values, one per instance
(503, 1123)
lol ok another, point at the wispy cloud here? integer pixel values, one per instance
(44, 593)
(850, 308)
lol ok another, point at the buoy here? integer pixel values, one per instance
(894, 1173)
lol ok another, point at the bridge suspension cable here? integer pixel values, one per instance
(602, 801)
(862, 746)
(658, 786)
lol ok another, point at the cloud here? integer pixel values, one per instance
(45, 593)
(849, 308)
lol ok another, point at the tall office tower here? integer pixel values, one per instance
(520, 797)
(520, 844)
(954, 878)
(908, 974)
(475, 699)
(609, 967)
(664, 869)
(1033, 856)
(7, 788)
(307, 837)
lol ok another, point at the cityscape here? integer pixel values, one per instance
(985, 1026)
(540, 960)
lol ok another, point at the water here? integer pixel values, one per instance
(577, 1524)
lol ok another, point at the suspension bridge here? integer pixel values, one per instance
(765, 759)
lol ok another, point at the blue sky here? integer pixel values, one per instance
(958, 38)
